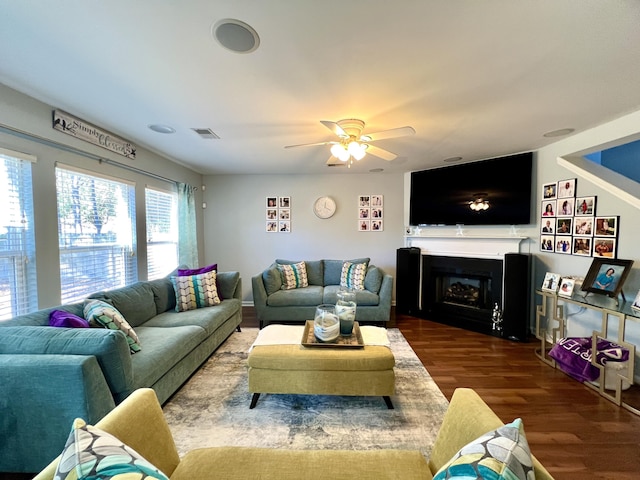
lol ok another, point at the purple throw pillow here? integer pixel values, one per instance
(198, 271)
(60, 318)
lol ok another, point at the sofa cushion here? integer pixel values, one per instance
(333, 269)
(373, 279)
(60, 318)
(272, 279)
(195, 291)
(227, 283)
(364, 298)
(164, 295)
(93, 453)
(135, 302)
(99, 313)
(293, 275)
(352, 275)
(311, 295)
(502, 453)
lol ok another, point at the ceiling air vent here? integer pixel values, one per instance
(206, 133)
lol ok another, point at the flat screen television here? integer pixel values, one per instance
(442, 196)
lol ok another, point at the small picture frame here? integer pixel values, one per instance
(563, 245)
(272, 227)
(546, 243)
(582, 246)
(607, 226)
(585, 206)
(566, 286)
(285, 202)
(272, 202)
(636, 302)
(377, 201)
(583, 227)
(272, 213)
(549, 191)
(604, 247)
(564, 225)
(565, 206)
(284, 226)
(284, 214)
(363, 213)
(364, 225)
(547, 226)
(377, 225)
(606, 276)
(567, 188)
(550, 282)
(548, 208)
(364, 201)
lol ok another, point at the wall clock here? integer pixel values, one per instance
(324, 207)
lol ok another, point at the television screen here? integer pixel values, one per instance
(499, 190)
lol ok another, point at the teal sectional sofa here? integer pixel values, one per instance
(273, 304)
(50, 375)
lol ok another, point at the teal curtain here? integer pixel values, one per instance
(187, 231)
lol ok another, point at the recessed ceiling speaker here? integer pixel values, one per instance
(235, 35)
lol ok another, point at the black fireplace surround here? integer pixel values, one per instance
(463, 292)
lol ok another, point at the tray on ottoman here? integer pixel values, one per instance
(352, 341)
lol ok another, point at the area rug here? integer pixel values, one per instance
(212, 408)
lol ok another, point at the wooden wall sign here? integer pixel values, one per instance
(75, 127)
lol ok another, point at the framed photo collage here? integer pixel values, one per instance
(570, 226)
(278, 214)
(370, 213)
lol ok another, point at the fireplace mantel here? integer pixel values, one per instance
(466, 246)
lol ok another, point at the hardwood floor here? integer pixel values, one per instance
(575, 433)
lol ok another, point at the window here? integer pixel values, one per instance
(162, 232)
(96, 233)
(18, 292)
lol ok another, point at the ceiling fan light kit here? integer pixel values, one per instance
(353, 144)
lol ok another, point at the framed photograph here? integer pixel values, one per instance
(272, 227)
(363, 213)
(364, 225)
(284, 214)
(546, 243)
(566, 286)
(285, 202)
(583, 226)
(364, 201)
(284, 226)
(377, 225)
(564, 225)
(549, 191)
(376, 213)
(604, 247)
(563, 245)
(550, 282)
(585, 206)
(582, 246)
(272, 213)
(567, 188)
(548, 208)
(377, 201)
(565, 206)
(607, 226)
(547, 226)
(636, 302)
(606, 276)
(272, 202)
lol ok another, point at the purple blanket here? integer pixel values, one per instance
(573, 356)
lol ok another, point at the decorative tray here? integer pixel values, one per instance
(353, 341)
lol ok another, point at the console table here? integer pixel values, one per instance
(551, 326)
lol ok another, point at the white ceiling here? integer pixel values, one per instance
(476, 79)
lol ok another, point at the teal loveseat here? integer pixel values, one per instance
(50, 375)
(274, 304)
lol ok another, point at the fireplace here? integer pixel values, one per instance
(461, 291)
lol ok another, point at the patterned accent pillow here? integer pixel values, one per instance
(91, 453)
(101, 314)
(352, 275)
(502, 454)
(195, 291)
(198, 271)
(294, 276)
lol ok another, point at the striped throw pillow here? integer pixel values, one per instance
(352, 275)
(294, 276)
(195, 291)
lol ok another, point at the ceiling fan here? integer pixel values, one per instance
(353, 145)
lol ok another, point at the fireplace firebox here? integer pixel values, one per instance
(463, 292)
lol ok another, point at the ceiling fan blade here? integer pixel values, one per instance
(309, 144)
(393, 133)
(332, 160)
(335, 128)
(379, 152)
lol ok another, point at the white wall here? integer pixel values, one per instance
(235, 235)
